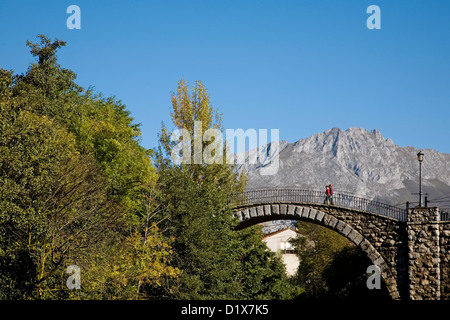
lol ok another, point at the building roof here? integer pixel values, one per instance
(276, 232)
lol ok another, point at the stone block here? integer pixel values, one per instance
(333, 221)
(358, 238)
(378, 261)
(305, 212)
(260, 211)
(291, 210)
(319, 215)
(365, 245)
(312, 213)
(352, 234)
(275, 209)
(340, 226)
(346, 230)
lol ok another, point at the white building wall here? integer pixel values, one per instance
(278, 242)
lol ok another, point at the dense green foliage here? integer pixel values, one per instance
(331, 267)
(77, 188)
(216, 262)
(316, 247)
(74, 188)
(346, 277)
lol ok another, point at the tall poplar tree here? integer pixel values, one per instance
(216, 262)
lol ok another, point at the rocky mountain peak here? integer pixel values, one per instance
(356, 161)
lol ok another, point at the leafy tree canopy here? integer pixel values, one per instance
(75, 183)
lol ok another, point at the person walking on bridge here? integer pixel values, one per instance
(327, 195)
(331, 194)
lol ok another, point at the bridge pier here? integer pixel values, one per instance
(424, 253)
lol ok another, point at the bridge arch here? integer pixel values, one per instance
(358, 227)
(410, 246)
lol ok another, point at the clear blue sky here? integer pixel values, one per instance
(298, 66)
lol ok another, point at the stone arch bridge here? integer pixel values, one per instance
(411, 247)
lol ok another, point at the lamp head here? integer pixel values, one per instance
(420, 156)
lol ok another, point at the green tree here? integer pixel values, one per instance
(205, 246)
(216, 262)
(74, 185)
(316, 247)
(102, 126)
(263, 272)
(52, 197)
(141, 265)
(331, 267)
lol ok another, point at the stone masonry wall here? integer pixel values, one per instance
(424, 253)
(444, 233)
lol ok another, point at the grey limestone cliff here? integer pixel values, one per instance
(359, 162)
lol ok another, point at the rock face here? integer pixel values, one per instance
(356, 161)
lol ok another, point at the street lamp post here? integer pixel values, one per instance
(420, 158)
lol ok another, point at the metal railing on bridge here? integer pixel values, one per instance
(445, 214)
(273, 195)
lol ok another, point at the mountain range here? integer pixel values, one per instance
(355, 161)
